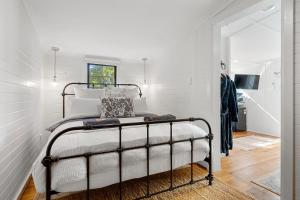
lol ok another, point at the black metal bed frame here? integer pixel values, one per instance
(48, 160)
(64, 93)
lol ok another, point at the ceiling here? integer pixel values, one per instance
(256, 38)
(267, 15)
(120, 28)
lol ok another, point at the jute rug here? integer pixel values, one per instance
(253, 142)
(135, 188)
(270, 182)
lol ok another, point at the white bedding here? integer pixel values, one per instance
(70, 175)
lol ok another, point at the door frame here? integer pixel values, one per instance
(287, 101)
(236, 10)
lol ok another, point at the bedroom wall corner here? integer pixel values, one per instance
(181, 81)
(20, 102)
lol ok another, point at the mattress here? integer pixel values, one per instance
(70, 175)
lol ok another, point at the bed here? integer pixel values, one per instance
(83, 156)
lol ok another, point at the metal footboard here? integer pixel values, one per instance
(48, 159)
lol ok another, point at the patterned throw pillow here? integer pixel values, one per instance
(117, 107)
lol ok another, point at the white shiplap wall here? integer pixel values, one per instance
(20, 97)
(181, 82)
(297, 97)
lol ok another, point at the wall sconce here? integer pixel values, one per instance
(145, 85)
(54, 83)
(55, 50)
(29, 84)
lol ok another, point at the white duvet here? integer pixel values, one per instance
(70, 175)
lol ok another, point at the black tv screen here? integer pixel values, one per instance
(246, 81)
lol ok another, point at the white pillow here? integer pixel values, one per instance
(114, 92)
(140, 105)
(122, 92)
(131, 93)
(89, 93)
(85, 106)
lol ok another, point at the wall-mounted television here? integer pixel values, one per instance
(246, 81)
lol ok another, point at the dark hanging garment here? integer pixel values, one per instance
(229, 112)
(234, 109)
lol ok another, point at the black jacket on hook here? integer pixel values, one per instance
(229, 112)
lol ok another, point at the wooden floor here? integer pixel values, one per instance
(238, 170)
(29, 192)
(242, 167)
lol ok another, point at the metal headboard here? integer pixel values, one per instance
(92, 85)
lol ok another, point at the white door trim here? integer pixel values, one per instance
(287, 82)
(287, 101)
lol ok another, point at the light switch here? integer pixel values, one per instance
(190, 81)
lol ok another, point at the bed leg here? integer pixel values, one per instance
(87, 156)
(192, 160)
(120, 175)
(210, 175)
(48, 192)
(171, 156)
(148, 162)
(120, 162)
(210, 179)
(47, 163)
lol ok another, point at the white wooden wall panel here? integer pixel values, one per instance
(182, 83)
(297, 97)
(20, 97)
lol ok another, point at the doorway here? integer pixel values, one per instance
(250, 52)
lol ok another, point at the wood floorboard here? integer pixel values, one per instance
(242, 167)
(238, 170)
